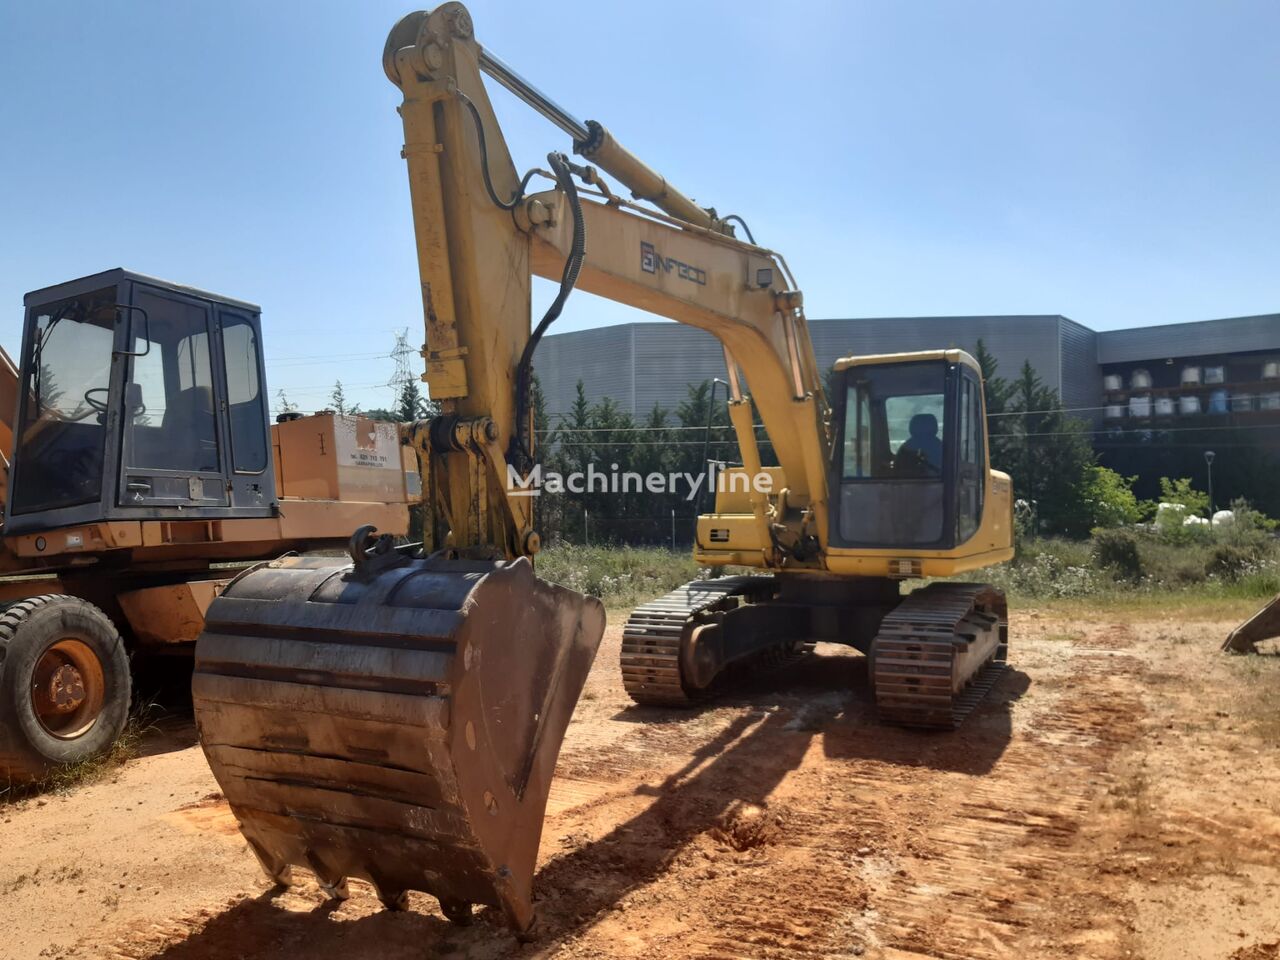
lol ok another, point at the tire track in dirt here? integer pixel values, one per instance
(789, 826)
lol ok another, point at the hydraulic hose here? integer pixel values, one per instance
(522, 452)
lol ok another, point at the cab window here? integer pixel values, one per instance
(245, 402)
(893, 463)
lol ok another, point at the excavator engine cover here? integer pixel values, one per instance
(399, 725)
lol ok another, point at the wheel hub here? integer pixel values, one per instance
(68, 688)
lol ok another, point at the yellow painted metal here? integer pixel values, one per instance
(951, 355)
(644, 182)
(473, 264)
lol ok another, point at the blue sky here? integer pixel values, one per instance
(1115, 162)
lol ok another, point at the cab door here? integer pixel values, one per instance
(173, 450)
(971, 468)
(250, 477)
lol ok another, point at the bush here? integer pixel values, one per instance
(1230, 562)
(1181, 491)
(1117, 551)
(1048, 569)
(1111, 499)
(621, 576)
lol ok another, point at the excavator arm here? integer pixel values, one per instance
(481, 236)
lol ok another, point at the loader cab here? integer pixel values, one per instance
(138, 400)
(910, 464)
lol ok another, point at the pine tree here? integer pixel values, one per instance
(338, 399)
(411, 405)
(1048, 453)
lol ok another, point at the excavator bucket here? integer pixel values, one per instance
(1263, 625)
(397, 721)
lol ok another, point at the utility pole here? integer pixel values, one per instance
(402, 354)
(1208, 461)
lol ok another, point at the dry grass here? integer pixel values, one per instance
(1256, 701)
(92, 769)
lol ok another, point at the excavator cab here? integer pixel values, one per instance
(911, 469)
(138, 399)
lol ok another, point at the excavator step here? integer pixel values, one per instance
(384, 725)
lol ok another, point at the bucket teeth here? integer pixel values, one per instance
(456, 911)
(401, 728)
(393, 899)
(278, 871)
(332, 883)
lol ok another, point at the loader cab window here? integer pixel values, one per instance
(170, 414)
(245, 402)
(66, 384)
(894, 450)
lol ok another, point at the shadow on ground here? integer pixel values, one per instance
(824, 696)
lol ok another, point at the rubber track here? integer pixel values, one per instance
(928, 629)
(653, 633)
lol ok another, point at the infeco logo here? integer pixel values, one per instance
(650, 262)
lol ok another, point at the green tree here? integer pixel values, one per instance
(338, 400)
(1048, 453)
(411, 405)
(1111, 499)
(1182, 492)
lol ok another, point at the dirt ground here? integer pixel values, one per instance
(1112, 799)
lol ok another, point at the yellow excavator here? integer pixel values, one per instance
(397, 717)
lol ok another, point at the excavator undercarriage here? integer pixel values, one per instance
(932, 653)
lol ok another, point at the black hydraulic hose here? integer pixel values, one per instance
(484, 161)
(522, 450)
(745, 228)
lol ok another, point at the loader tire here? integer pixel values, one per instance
(64, 685)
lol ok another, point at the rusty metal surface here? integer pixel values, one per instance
(938, 653)
(400, 727)
(1263, 625)
(169, 614)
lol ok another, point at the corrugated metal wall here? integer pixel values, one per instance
(602, 359)
(1080, 375)
(668, 358)
(646, 363)
(1205, 337)
(1012, 340)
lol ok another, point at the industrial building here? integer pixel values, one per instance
(1158, 397)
